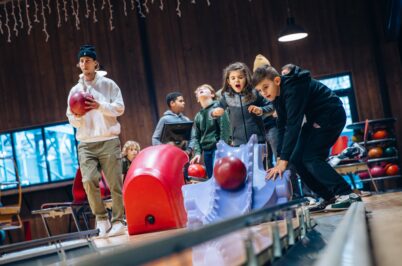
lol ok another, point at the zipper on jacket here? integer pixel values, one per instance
(242, 114)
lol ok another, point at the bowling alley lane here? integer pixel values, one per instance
(385, 224)
(384, 220)
(227, 250)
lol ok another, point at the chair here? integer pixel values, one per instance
(78, 208)
(10, 218)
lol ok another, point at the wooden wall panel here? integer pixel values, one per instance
(194, 49)
(390, 64)
(188, 51)
(36, 76)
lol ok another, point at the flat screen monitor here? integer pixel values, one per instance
(176, 132)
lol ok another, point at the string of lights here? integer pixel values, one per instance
(19, 15)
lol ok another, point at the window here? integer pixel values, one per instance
(7, 170)
(61, 151)
(30, 155)
(42, 154)
(341, 84)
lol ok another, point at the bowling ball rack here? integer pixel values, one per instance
(384, 182)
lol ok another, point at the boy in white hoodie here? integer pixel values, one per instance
(99, 145)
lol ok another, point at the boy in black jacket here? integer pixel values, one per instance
(294, 95)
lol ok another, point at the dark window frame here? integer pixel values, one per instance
(42, 129)
(349, 92)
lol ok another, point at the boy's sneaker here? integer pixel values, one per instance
(103, 226)
(362, 193)
(343, 202)
(118, 228)
(321, 205)
(313, 201)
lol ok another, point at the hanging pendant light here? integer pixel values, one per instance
(292, 31)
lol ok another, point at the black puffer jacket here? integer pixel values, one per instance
(301, 95)
(244, 124)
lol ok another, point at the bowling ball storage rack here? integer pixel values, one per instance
(390, 140)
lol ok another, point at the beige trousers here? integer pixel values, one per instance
(105, 156)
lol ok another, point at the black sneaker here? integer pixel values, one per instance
(320, 206)
(343, 202)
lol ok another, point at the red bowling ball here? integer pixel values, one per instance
(380, 134)
(392, 169)
(77, 102)
(364, 175)
(230, 173)
(197, 170)
(377, 171)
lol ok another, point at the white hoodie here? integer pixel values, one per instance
(98, 124)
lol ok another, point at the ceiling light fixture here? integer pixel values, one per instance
(292, 31)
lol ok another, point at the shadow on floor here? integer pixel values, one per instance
(306, 252)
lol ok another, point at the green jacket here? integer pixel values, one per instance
(207, 131)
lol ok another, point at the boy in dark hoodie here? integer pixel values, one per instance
(306, 147)
(175, 102)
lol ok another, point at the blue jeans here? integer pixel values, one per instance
(209, 157)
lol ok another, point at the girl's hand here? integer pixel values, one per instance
(196, 159)
(217, 112)
(279, 169)
(255, 109)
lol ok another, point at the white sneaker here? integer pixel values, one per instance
(343, 202)
(313, 201)
(363, 193)
(103, 226)
(118, 228)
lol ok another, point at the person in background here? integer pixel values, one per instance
(129, 152)
(244, 104)
(175, 103)
(206, 131)
(99, 145)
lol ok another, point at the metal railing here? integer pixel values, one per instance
(47, 241)
(349, 244)
(181, 241)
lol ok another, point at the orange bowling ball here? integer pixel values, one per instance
(380, 134)
(392, 169)
(375, 152)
